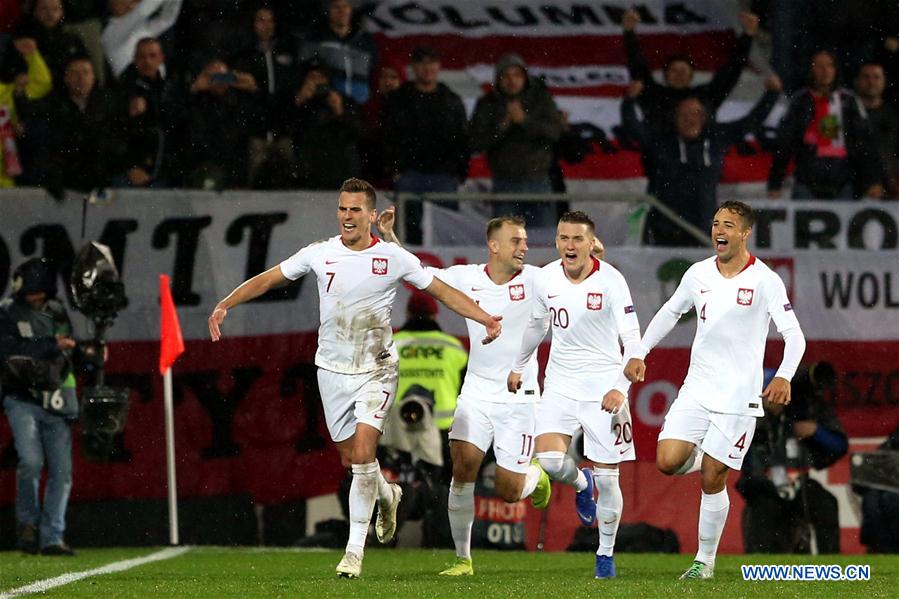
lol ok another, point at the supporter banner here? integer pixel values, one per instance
(248, 417)
(533, 18)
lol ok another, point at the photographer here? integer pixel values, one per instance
(786, 511)
(327, 126)
(415, 444)
(37, 352)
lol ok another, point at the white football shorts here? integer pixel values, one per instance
(608, 438)
(509, 426)
(349, 399)
(725, 437)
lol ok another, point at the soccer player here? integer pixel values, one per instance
(486, 412)
(357, 361)
(710, 425)
(588, 304)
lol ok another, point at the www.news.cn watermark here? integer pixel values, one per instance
(804, 572)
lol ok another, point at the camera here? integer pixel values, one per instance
(416, 407)
(99, 294)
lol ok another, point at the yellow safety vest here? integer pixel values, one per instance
(435, 361)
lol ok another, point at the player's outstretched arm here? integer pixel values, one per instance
(464, 306)
(244, 292)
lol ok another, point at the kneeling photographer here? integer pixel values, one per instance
(786, 510)
(39, 396)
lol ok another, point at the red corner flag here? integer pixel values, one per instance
(171, 343)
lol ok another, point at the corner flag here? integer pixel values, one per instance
(171, 343)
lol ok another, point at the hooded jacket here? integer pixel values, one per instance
(517, 151)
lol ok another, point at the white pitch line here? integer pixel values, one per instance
(70, 577)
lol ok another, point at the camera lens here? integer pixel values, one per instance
(412, 411)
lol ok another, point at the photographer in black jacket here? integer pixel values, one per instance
(787, 511)
(39, 398)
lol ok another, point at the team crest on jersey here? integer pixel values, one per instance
(594, 301)
(379, 266)
(516, 293)
(744, 296)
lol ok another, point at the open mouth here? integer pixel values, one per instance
(570, 255)
(720, 244)
(348, 226)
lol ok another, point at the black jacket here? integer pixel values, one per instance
(426, 132)
(284, 79)
(154, 140)
(685, 174)
(327, 145)
(825, 175)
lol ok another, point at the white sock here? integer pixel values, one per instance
(712, 516)
(385, 494)
(693, 463)
(363, 493)
(461, 516)
(561, 467)
(609, 505)
(531, 478)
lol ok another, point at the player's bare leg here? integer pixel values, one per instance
(368, 486)
(609, 505)
(467, 460)
(712, 516)
(552, 453)
(674, 456)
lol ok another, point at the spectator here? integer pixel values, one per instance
(44, 25)
(425, 130)
(883, 119)
(785, 508)
(327, 128)
(221, 109)
(571, 148)
(347, 50)
(271, 60)
(18, 87)
(151, 113)
(517, 124)
(825, 130)
(658, 101)
(686, 167)
(79, 148)
(36, 349)
(389, 76)
(132, 21)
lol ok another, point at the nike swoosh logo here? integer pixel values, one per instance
(477, 289)
(609, 522)
(331, 261)
(520, 462)
(552, 296)
(704, 290)
(624, 451)
(733, 457)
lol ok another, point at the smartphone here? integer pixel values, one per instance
(224, 78)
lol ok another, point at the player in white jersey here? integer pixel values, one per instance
(357, 360)
(710, 425)
(588, 305)
(486, 412)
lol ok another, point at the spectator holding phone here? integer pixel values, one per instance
(222, 105)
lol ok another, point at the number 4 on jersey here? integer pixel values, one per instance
(702, 313)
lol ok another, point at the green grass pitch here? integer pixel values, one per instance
(263, 572)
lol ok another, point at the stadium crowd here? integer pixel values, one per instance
(293, 94)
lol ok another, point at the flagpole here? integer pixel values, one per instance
(170, 457)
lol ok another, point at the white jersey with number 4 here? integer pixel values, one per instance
(489, 365)
(356, 290)
(733, 316)
(587, 319)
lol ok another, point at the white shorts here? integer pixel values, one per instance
(349, 399)
(509, 426)
(608, 438)
(725, 437)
